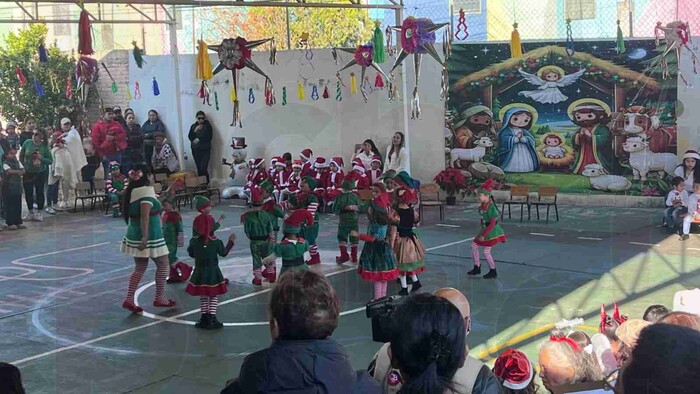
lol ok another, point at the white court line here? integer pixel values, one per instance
(642, 244)
(542, 234)
(448, 225)
(19, 262)
(153, 323)
(693, 248)
(590, 238)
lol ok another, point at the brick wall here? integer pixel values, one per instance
(118, 64)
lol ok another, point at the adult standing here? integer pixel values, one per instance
(200, 135)
(109, 139)
(134, 143)
(77, 153)
(397, 155)
(119, 118)
(144, 237)
(36, 158)
(367, 153)
(29, 128)
(11, 138)
(164, 160)
(152, 126)
(689, 169)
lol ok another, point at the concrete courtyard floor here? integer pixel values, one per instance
(62, 283)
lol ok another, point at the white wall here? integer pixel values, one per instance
(689, 97)
(328, 127)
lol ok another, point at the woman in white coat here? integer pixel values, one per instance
(367, 153)
(397, 155)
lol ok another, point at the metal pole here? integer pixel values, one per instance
(178, 103)
(404, 90)
(289, 33)
(630, 14)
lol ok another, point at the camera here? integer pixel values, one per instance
(380, 312)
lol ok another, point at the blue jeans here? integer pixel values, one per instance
(673, 215)
(52, 194)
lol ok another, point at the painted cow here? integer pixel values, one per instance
(642, 122)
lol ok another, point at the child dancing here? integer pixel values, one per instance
(257, 225)
(292, 248)
(491, 232)
(306, 199)
(410, 252)
(346, 205)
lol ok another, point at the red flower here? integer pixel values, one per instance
(451, 180)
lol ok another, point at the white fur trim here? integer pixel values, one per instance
(522, 385)
(142, 192)
(359, 168)
(691, 155)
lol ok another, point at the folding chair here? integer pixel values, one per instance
(546, 196)
(429, 196)
(519, 195)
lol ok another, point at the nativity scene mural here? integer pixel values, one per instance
(598, 121)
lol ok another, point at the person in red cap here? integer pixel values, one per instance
(689, 170)
(515, 372)
(375, 171)
(320, 176)
(491, 232)
(257, 174)
(410, 252)
(347, 205)
(280, 179)
(273, 168)
(294, 179)
(335, 179)
(258, 227)
(358, 176)
(292, 248)
(307, 162)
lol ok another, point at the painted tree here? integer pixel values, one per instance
(17, 102)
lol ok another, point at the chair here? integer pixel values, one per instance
(160, 177)
(546, 196)
(157, 187)
(193, 188)
(210, 189)
(83, 192)
(429, 196)
(519, 195)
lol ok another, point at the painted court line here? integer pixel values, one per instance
(156, 322)
(642, 244)
(30, 267)
(542, 234)
(448, 225)
(590, 238)
(693, 248)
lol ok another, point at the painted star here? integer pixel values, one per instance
(485, 50)
(594, 47)
(578, 90)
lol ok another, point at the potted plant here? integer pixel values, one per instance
(451, 180)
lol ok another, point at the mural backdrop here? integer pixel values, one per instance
(597, 121)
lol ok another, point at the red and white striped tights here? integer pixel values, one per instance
(208, 304)
(161, 275)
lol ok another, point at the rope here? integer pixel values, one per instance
(461, 33)
(251, 96)
(569, 39)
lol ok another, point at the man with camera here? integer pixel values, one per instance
(474, 375)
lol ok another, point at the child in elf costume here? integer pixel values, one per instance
(292, 249)
(491, 232)
(270, 206)
(377, 261)
(410, 252)
(174, 235)
(207, 281)
(346, 205)
(115, 185)
(307, 200)
(257, 225)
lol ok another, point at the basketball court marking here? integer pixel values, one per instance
(30, 270)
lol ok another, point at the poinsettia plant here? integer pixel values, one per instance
(451, 180)
(474, 184)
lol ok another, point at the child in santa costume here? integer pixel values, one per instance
(410, 252)
(257, 225)
(307, 168)
(116, 184)
(273, 167)
(375, 173)
(174, 235)
(257, 174)
(335, 179)
(358, 176)
(292, 249)
(320, 176)
(377, 261)
(346, 205)
(491, 232)
(207, 281)
(306, 199)
(293, 181)
(280, 179)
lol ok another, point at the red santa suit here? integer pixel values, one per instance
(292, 180)
(374, 175)
(335, 178)
(307, 168)
(321, 175)
(281, 180)
(257, 174)
(273, 167)
(357, 175)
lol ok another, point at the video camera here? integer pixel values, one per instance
(380, 312)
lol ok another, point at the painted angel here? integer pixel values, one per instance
(548, 81)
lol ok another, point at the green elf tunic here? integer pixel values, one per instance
(207, 279)
(377, 260)
(275, 212)
(258, 225)
(173, 232)
(347, 205)
(291, 251)
(490, 230)
(155, 246)
(309, 201)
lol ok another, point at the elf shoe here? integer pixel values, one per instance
(204, 321)
(353, 253)
(174, 276)
(475, 271)
(257, 281)
(164, 303)
(214, 323)
(415, 286)
(344, 257)
(404, 291)
(315, 259)
(270, 274)
(185, 270)
(492, 274)
(132, 307)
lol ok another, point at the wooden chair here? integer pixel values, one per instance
(99, 192)
(546, 196)
(519, 195)
(83, 192)
(193, 188)
(210, 189)
(429, 196)
(158, 188)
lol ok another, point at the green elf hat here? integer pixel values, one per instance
(293, 222)
(486, 188)
(170, 199)
(406, 180)
(388, 175)
(347, 184)
(311, 181)
(267, 185)
(113, 165)
(201, 202)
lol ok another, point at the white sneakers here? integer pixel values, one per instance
(29, 217)
(50, 210)
(34, 215)
(38, 216)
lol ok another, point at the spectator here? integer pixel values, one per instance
(109, 139)
(627, 334)
(29, 128)
(367, 152)
(134, 143)
(683, 319)
(397, 155)
(676, 205)
(562, 362)
(75, 146)
(119, 118)
(11, 138)
(200, 135)
(654, 313)
(36, 158)
(10, 379)
(665, 361)
(304, 312)
(515, 372)
(12, 172)
(164, 160)
(149, 128)
(688, 170)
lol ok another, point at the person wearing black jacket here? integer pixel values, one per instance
(304, 312)
(200, 135)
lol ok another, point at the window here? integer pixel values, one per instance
(61, 11)
(469, 6)
(580, 9)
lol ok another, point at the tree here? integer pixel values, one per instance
(17, 102)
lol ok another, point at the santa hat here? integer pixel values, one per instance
(58, 137)
(297, 164)
(513, 367)
(280, 162)
(691, 154)
(320, 162)
(338, 161)
(306, 154)
(203, 226)
(259, 162)
(256, 199)
(274, 161)
(267, 185)
(113, 165)
(358, 166)
(347, 184)
(292, 223)
(376, 159)
(381, 202)
(486, 188)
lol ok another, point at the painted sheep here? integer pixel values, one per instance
(601, 180)
(644, 161)
(474, 154)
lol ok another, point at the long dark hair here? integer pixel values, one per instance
(10, 379)
(133, 184)
(374, 148)
(403, 143)
(428, 343)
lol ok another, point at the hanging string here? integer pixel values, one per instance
(447, 42)
(462, 33)
(233, 94)
(216, 100)
(353, 83)
(569, 39)
(128, 92)
(137, 91)
(390, 48)
(378, 44)
(269, 93)
(69, 87)
(366, 86)
(334, 52)
(43, 58)
(156, 89)
(273, 52)
(393, 89)
(114, 87)
(38, 88)
(444, 84)
(300, 91)
(20, 76)
(326, 95)
(338, 91)
(378, 81)
(54, 84)
(415, 105)
(251, 96)
(284, 95)
(314, 93)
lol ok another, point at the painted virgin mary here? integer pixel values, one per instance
(516, 146)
